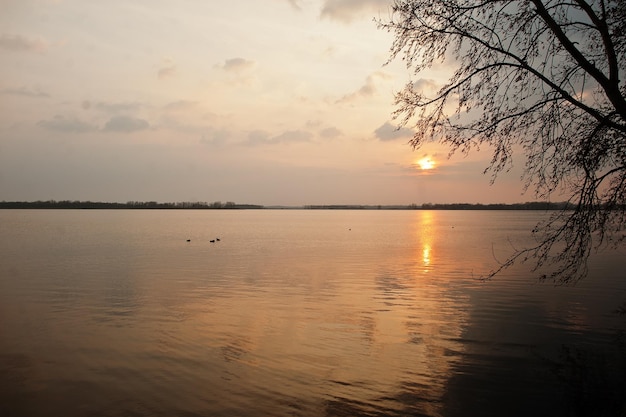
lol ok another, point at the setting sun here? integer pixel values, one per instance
(426, 163)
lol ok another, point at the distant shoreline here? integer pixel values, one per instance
(153, 205)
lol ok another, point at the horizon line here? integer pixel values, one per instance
(201, 205)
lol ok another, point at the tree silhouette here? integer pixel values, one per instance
(540, 77)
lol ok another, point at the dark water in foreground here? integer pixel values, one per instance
(297, 313)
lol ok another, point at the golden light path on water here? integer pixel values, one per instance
(292, 312)
(337, 329)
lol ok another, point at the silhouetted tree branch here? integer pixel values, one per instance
(540, 76)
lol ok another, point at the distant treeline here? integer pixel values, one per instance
(534, 205)
(454, 206)
(66, 204)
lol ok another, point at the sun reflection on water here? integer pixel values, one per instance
(426, 256)
(424, 230)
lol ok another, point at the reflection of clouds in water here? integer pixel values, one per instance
(382, 320)
(422, 323)
(421, 319)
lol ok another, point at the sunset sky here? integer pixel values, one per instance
(274, 102)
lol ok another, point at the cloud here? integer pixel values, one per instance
(26, 92)
(171, 121)
(424, 84)
(61, 124)
(313, 124)
(292, 136)
(125, 124)
(347, 11)
(367, 90)
(19, 43)
(237, 65)
(294, 4)
(168, 69)
(389, 132)
(113, 108)
(330, 133)
(180, 105)
(166, 72)
(215, 137)
(259, 137)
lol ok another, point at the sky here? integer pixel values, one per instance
(272, 102)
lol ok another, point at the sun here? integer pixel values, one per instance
(426, 163)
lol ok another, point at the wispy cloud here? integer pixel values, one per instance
(237, 65)
(295, 4)
(367, 90)
(113, 108)
(330, 133)
(68, 125)
(259, 137)
(167, 69)
(425, 86)
(388, 132)
(125, 124)
(180, 105)
(347, 11)
(35, 92)
(216, 137)
(19, 43)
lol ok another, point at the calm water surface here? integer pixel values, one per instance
(297, 313)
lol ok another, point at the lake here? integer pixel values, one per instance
(298, 313)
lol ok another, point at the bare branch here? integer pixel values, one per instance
(540, 74)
